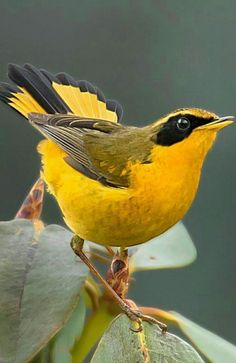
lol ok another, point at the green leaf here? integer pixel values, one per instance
(15, 243)
(120, 343)
(172, 249)
(40, 282)
(65, 339)
(216, 349)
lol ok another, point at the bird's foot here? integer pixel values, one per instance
(131, 310)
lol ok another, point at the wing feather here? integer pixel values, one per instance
(70, 133)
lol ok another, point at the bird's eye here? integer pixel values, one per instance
(183, 124)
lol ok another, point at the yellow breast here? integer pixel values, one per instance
(159, 195)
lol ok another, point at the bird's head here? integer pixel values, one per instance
(188, 132)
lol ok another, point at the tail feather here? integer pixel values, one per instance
(31, 79)
(39, 91)
(19, 99)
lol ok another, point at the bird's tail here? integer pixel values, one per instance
(37, 90)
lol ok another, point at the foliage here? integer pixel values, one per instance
(150, 345)
(40, 283)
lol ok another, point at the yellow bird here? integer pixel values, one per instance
(116, 185)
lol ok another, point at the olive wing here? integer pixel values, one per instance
(90, 145)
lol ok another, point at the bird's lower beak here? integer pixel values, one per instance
(218, 124)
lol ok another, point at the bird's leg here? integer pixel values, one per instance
(132, 312)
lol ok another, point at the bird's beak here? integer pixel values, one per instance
(217, 124)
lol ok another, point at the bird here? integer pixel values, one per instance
(116, 185)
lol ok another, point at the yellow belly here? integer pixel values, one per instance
(159, 196)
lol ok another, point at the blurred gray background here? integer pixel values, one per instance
(153, 57)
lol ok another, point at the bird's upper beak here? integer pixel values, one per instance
(217, 124)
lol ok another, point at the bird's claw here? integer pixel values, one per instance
(138, 317)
